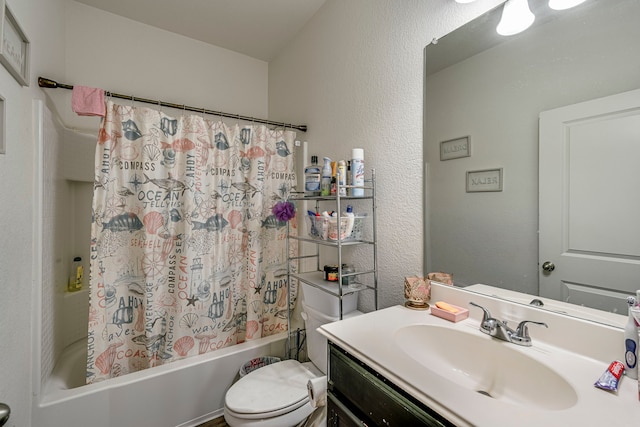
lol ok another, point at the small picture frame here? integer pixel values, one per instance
(14, 46)
(484, 180)
(455, 148)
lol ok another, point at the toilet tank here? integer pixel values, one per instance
(316, 342)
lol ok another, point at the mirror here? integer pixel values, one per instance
(491, 89)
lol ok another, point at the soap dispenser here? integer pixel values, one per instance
(631, 343)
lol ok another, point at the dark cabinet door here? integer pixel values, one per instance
(371, 398)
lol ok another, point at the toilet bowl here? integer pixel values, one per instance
(276, 395)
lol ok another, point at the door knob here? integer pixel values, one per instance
(548, 266)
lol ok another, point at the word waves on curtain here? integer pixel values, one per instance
(187, 256)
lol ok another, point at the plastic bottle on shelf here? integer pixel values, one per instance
(75, 278)
(325, 183)
(312, 176)
(334, 181)
(357, 172)
(350, 220)
(342, 177)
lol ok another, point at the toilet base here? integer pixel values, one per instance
(291, 419)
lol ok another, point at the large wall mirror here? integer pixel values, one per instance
(484, 94)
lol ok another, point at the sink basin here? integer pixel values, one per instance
(487, 366)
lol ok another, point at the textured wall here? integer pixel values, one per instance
(43, 23)
(355, 75)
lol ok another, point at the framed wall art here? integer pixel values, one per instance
(484, 180)
(14, 46)
(455, 148)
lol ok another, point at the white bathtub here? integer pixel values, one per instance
(183, 393)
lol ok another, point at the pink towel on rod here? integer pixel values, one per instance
(88, 101)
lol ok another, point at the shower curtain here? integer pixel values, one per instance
(186, 254)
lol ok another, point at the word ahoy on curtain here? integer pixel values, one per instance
(187, 256)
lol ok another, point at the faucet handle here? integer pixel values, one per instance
(521, 335)
(488, 323)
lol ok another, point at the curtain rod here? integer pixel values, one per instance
(52, 84)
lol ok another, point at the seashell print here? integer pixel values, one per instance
(183, 345)
(128, 151)
(168, 126)
(130, 130)
(153, 221)
(167, 247)
(205, 341)
(252, 328)
(282, 149)
(105, 360)
(272, 222)
(235, 218)
(214, 223)
(125, 222)
(221, 141)
(189, 320)
(150, 152)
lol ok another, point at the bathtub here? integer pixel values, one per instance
(183, 393)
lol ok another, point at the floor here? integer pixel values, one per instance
(216, 422)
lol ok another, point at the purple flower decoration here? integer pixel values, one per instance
(284, 211)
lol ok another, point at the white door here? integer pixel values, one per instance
(589, 242)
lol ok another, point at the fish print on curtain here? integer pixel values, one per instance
(187, 257)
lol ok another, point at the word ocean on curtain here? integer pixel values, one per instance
(186, 254)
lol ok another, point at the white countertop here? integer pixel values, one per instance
(370, 338)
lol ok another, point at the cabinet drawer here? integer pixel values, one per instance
(373, 398)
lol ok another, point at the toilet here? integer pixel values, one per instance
(276, 395)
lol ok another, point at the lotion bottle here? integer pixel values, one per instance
(631, 343)
(325, 183)
(357, 172)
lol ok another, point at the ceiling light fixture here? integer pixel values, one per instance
(516, 17)
(563, 4)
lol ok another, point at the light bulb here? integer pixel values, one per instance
(516, 17)
(564, 4)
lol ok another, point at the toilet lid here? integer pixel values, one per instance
(271, 388)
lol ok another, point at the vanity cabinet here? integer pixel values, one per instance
(359, 396)
(364, 234)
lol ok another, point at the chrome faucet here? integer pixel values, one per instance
(500, 330)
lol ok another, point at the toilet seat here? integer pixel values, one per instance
(271, 391)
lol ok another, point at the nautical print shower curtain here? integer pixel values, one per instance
(186, 255)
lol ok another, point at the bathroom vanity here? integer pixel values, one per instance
(358, 395)
(399, 366)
